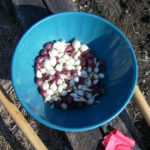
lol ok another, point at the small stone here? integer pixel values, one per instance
(81, 7)
(144, 81)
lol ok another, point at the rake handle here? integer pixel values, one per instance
(143, 105)
(22, 123)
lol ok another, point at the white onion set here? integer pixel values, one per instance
(68, 75)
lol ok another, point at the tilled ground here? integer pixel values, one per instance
(132, 17)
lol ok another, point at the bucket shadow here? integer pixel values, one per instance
(23, 17)
(53, 139)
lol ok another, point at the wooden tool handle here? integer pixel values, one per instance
(144, 107)
(21, 122)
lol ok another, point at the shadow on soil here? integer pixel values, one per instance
(9, 137)
(53, 139)
(24, 16)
